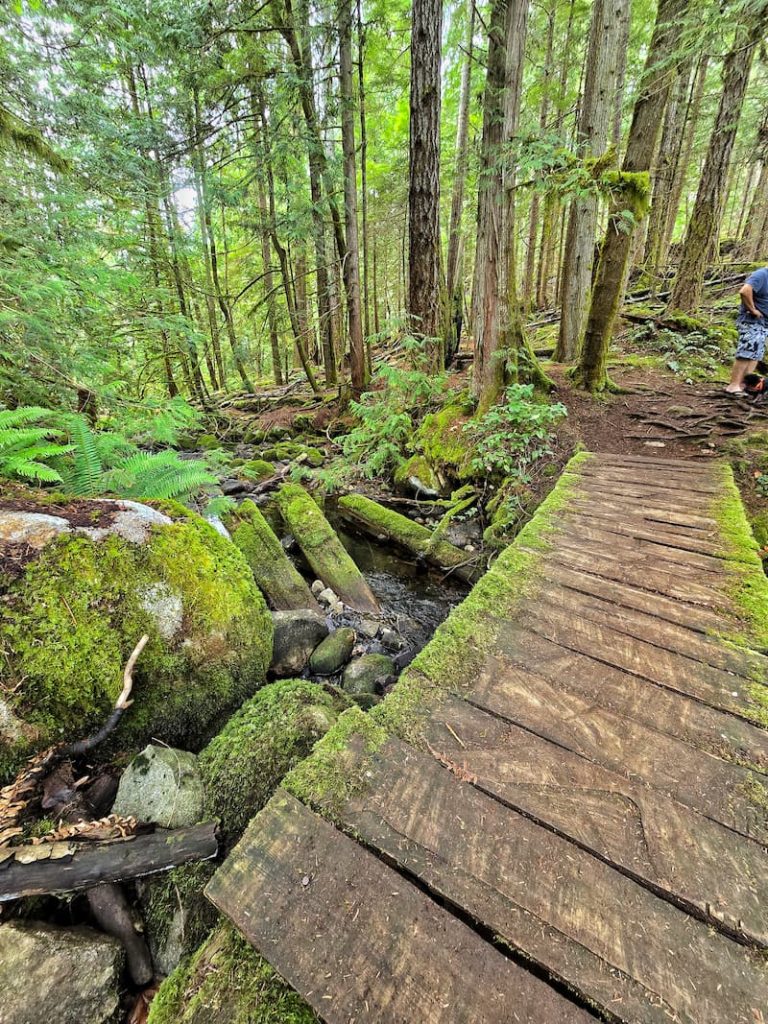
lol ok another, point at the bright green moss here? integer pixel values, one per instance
(443, 442)
(268, 736)
(227, 982)
(749, 586)
(256, 469)
(73, 618)
(418, 468)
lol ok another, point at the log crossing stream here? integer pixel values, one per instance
(560, 813)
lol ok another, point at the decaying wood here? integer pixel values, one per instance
(69, 865)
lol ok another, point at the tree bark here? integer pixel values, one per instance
(358, 369)
(363, 169)
(753, 241)
(703, 232)
(454, 289)
(424, 269)
(603, 64)
(658, 76)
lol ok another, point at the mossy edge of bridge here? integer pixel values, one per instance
(336, 769)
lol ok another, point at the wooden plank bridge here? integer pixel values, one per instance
(560, 814)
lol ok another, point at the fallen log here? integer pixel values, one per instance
(274, 572)
(60, 867)
(323, 549)
(384, 524)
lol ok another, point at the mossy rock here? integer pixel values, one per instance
(269, 735)
(103, 573)
(256, 469)
(416, 474)
(208, 442)
(227, 982)
(443, 443)
(289, 451)
(333, 652)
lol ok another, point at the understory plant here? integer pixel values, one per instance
(92, 462)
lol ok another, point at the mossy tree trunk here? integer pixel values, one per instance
(424, 299)
(703, 233)
(753, 242)
(648, 114)
(603, 67)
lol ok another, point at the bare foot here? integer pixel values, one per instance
(734, 389)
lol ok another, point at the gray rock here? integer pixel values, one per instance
(369, 627)
(333, 652)
(297, 634)
(391, 640)
(327, 596)
(367, 674)
(219, 527)
(61, 975)
(34, 529)
(166, 608)
(318, 587)
(162, 785)
(233, 486)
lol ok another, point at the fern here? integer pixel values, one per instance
(83, 473)
(24, 450)
(158, 475)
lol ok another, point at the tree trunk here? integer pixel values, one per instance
(496, 314)
(266, 253)
(703, 230)
(753, 242)
(454, 289)
(424, 271)
(351, 269)
(658, 76)
(363, 170)
(598, 101)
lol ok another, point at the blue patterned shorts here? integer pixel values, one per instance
(753, 333)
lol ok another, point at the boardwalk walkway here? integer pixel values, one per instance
(559, 814)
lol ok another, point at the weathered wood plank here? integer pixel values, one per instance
(656, 631)
(674, 671)
(641, 548)
(361, 943)
(660, 581)
(647, 561)
(661, 710)
(638, 529)
(718, 789)
(661, 512)
(664, 463)
(462, 836)
(621, 491)
(652, 476)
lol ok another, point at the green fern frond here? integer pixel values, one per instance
(83, 476)
(24, 414)
(158, 475)
(24, 449)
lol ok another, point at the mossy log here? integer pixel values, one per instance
(276, 575)
(323, 549)
(385, 524)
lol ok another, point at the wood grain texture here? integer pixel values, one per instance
(359, 941)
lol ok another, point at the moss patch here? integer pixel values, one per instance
(749, 587)
(70, 622)
(256, 469)
(227, 982)
(268, 736)
(443, 442)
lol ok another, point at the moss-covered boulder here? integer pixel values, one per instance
(444, 444)
(227, 982)
(418, 476)
(269, 735)
(333, 653)
(256, 469)
(80, 582)
(288, 451)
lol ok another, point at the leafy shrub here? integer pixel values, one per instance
(514, 434)
(387, 417)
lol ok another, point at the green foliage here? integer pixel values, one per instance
(514, 434)
(691, 353)
(24, 449)
(387, 417)
(153, 422)
(93, 462)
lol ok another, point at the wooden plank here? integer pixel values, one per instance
(660, 581)
(639, 529)
(692, 617)
(650, 547)
(641, 492)
(361, 943)
(69, 867)
(661, 512)
(634, 514)
(662, 462)
(663, 711)
(727, 793)
(652, 477)
(461, 835)
(645, 559)
(650, 628)
(674, 671)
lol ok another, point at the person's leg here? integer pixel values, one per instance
(741, 367)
